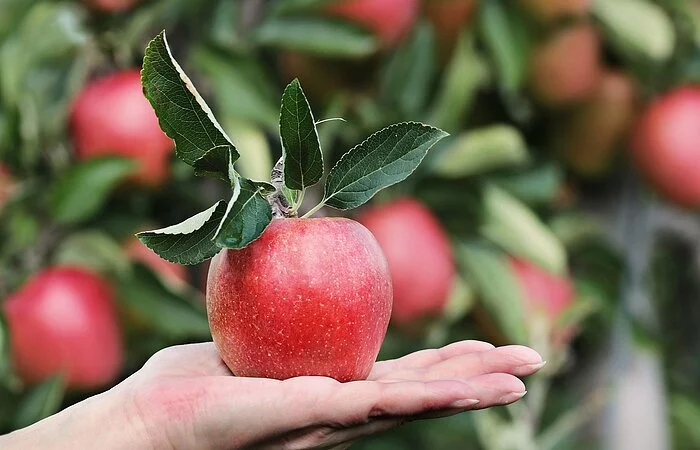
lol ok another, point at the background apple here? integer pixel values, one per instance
(309, 297)
(665, 145)
(448, 17)
(419, 255)
(112, 117)
(389, 20)
(553, 10)
(111, 5)
(63, 320)
(565, 67)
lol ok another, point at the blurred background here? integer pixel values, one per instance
(560, 213)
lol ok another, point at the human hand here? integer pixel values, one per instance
(186, 398)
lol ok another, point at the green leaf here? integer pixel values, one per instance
(506, 36)
(247, 216)
(169, 313)
(216, 163)
(5, 349)
(94, 249)
(385, 158)
(512, 225)
(491, 277)
(478, 151)
(637, 28)
(319, 36)
(42, 401)
(189, 242)
(541, 185)
(182, 112)
(303, 160)
(298, 6)
(84, 189)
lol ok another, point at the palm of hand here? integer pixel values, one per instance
(186, 395)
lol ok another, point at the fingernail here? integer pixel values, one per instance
(512, 397)
(464, 403)
(527, 369)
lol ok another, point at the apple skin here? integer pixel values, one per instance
(666, 145)
(111, 6)
(589, 137)
(173, 274)
(419, 255)
(566, 68)
(308, 297)
(111, 116)
(448, 17)
(545, 293)
(63, 320)
(548, 11)
(389, 20)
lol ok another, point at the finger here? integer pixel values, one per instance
(496, 389)
(514, 359)
(427, 357)
(200, 359)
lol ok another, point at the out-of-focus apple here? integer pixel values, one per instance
(419, 255)
(309, 297)
(111, 6)
(111, 116)
(63, 321)
(552, 10)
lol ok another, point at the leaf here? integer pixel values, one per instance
(82, 191)
(42, 401)
(321, 36)
(247, 216)
(298, 6)
(161, 309)
(94, 249)
(512, 225)
(182, 113)
(541, 185)
(189, 242)
(637, 28)
(481, 150)
(216, 163)
(385, 158)
(5, 349)
(492, 278)
(505, 34)
(303, 160)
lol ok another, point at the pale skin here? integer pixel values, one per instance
(185, 398)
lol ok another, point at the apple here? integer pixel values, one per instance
(173, 274)
(111, 116)
(565, 68)
(588, 137)
(308, 297)
(111, 5)
(419, 255)
(63, 320)
(448, 17)
(7, 185)
(666, 145)
(553, 10)
(545, 294)
(389, 20)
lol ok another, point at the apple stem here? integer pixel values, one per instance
(297, 203)
(315, 209)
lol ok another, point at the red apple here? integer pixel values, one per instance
(112, 117)
(111, 5)
(63, 320)
(419, 255)
(448, 17)
(553, 10)
(666, 145)
(7, 185)
(589, 136)
(173, 274)
(566, 68)
(546, 294)
(389, 20)
(309, 297)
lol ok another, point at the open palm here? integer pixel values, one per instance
(186, 395)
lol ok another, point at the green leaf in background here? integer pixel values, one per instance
(42, 401)
(505, 33)
(247, 216)
(637, 28)
(84, 189)
(489, 273)
(189, 242)
(303, 160)
(173, 314)
(181, 111)
(94, 249)
(685, 412)
(255, 161)
(298, 6)
(385, 158)
(477, 151)
(541, 185)
(407, 78)
(321, 36)
(510, 224)
(5, 349)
